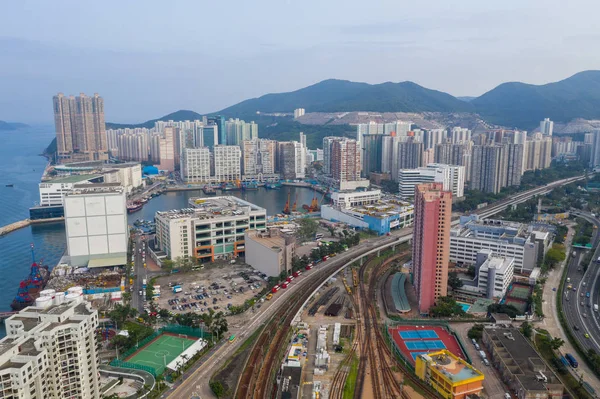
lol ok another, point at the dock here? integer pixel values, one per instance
(25, 223)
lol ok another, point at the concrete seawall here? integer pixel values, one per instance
(24, 223)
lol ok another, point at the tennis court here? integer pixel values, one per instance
(418, 334)
(161, 351)
(415, 354)
(421, 345)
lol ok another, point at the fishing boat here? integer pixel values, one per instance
(134, 206)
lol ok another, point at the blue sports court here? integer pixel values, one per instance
(423, 345)
(418, 334)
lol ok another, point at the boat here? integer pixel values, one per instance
(10, 185)
(29, 289)
(134, 206)
(250, 186)
(273, 186)
(208, 190)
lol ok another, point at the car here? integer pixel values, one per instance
(584, 283)
(576, 328)
(587, 294)
(581, 295)
(582, 303)
(554, 289)
(587, 335)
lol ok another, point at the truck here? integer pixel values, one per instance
(482, 354)
(595, 307)
(571, 360)
(144, 282)
(177, 289)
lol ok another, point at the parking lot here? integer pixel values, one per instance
(217, 288)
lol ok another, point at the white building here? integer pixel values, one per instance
(269, 252)
(546, 127)
(298, 112)
(96, 225)
(212, 228)
(50, 353)
(493, 276)
(348, 200)
(128, 174)
(228, 160)
(196, 165)
(52, 192)
(508, 239)
(451, 176)
(237, 130)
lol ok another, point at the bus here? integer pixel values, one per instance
(571, 360)
(232, 338)
(318, 236)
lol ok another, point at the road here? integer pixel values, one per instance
(196, 383)
(577, 314)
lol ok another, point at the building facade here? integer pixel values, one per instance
(431, 242)
(228, 160)
(345, 163)
(269, 252)
(50, 353)
(128, 175)
(96, 225)
(212, 228)
(451, 177)
(196, 165)
(238, 130)
(52, 192)
(80, 128)
(167, 149)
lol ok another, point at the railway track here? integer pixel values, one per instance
(375, 354)
(256, 380)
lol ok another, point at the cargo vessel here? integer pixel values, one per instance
(29, 289)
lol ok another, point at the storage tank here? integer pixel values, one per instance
(43, 301)
(48, 292)
(75, 290)
(73, 297)
(59, 298)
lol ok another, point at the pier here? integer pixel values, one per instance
(24, 223)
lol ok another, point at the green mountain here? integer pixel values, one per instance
(11, 126)
(177, 116)
(524, 105)
(341, 95)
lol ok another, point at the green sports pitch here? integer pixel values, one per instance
(161, 351)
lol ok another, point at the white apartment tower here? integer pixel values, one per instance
(227, 163)
(546, 127)
(196, 165)
(50, 353)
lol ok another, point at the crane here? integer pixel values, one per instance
(286, 209)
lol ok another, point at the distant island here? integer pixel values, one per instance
(11, 126)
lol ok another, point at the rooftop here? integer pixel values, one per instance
(28, 322)
(524, 361)
(387, 206)
(6, 344)
(214, 207)
(271, 239)
(73, 179)
(96, 188)
(455, 369)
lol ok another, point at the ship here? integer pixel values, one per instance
(250, 186)
(208, 190)
(10, 185)
(134, 206)
(273, 186)
(29, 289)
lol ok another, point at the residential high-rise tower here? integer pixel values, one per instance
(431, 243)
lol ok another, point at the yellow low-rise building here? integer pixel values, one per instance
(449, 375)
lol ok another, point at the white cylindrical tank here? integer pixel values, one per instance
(73, 297)
(48, 292)
(59, 298)
(43, 301)
(75, 290)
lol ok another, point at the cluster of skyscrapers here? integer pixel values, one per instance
(491, 160)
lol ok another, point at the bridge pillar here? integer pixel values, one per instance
(379, 252)
(362, 260)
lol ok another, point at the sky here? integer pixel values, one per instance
(149, 58)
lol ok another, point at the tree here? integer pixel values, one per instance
(476, 332)
(331, 230)
(120, 313)
(556, 343)
(554, 256)
(126, 297)
(446, 307)
(454, 281)
(167, 265)
(527, 329)
(217, 388)
(307, 228)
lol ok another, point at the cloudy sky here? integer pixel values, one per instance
(148, 58)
